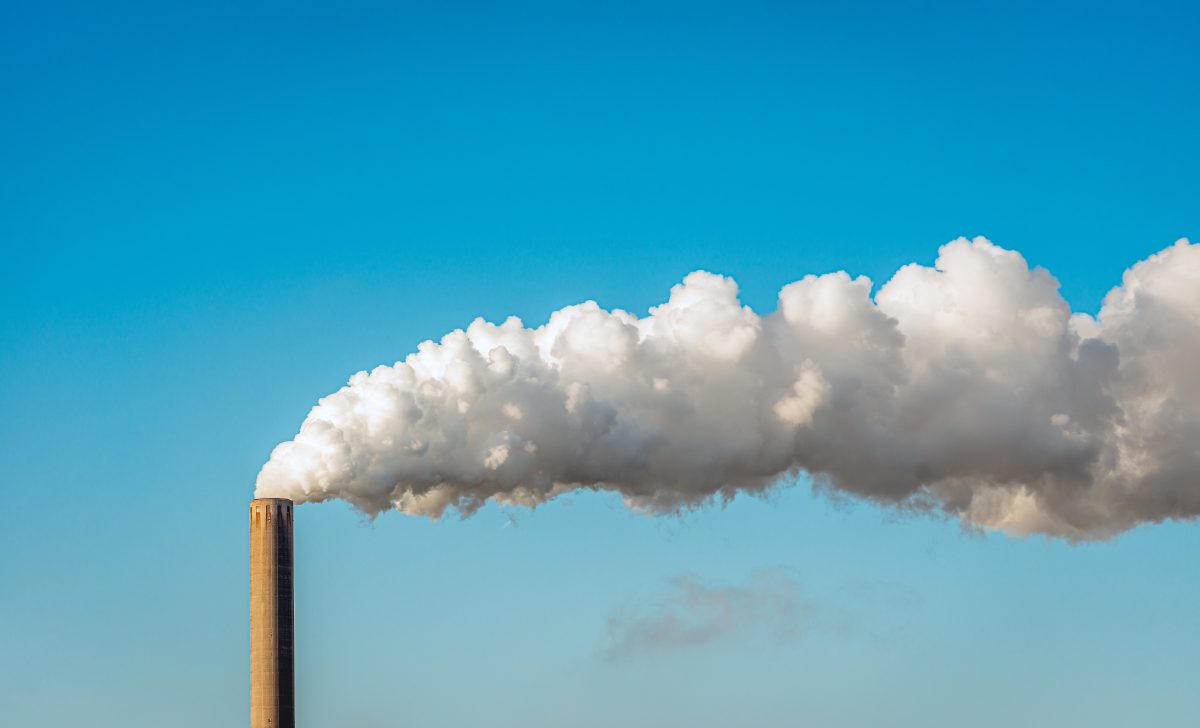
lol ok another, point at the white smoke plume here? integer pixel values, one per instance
(968, 388)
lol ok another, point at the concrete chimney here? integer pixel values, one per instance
(272, 661)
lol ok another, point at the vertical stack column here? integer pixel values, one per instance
(272, 660)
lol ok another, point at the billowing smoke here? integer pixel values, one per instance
(968, 388)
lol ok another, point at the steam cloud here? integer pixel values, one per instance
(968, 388)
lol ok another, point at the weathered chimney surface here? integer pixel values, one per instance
(272, 662)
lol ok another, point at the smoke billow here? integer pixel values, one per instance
(968, 388)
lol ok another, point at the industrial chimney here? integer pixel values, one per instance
(272, 663)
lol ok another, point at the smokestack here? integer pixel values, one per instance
(272, 662)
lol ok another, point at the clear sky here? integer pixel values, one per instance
(212, 216)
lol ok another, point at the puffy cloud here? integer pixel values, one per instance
(967, 387)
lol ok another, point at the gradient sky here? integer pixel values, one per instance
(212, 216)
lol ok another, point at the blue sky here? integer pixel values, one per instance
(211, 216)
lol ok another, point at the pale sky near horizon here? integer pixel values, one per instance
(211, 217)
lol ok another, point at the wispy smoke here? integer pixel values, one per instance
(968, 387)
(770, 604)
(695, 613)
